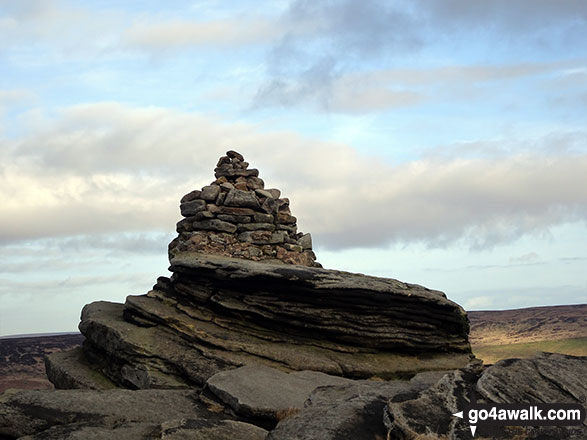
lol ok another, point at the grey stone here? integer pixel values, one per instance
(289, 228)
(191, 196)
(185, 225)
(270, 206)
(254, 251)
(71, 370)
(241, 199)
(275, 193)
(255, 183)
(235, 155)
(546, 378)
(215, 225)
(202, 215)
(263, 218)
(263, 392)
(223, 160)
(81, 431)
(189, 209)
(227, 172)
(352, 411)
(293, 247)
(230, 210)
(263, 237)
(220, 199)
(263, 193)
(226, 186)
(305, 241)
(210, 192)
(31, 412)
(205, 429)
(235, 218)
(285, 218)
(255, 227)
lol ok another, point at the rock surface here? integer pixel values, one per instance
(218, 313)
(31, 412)
(279, 393)
(547, 378)
(352, 411)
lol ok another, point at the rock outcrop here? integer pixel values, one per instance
(235, 301)
(218, 313)
(246, 309)
(547, 378)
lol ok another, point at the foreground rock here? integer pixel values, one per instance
(262, 392)
(31, 412)
(352, 411)
(355, 409)
(547, 378)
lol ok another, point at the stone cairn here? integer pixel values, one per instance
(235, 216)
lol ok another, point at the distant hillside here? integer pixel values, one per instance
(520, 333)
(21, 358)
(528, 325)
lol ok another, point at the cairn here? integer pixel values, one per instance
(235, 216)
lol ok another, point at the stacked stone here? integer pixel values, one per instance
(236, 216)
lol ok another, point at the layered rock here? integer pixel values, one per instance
(235, 216)
(124, 414)
(246, 309)
(547, 378)
(218, 313)
(237, 299)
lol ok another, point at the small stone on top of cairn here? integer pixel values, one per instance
(235, 216)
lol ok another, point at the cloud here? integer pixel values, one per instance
(324, 87)
(530, 257)
(518, 297)
(479, 302)
(514, 17)
(107, 167)
(155, 36)
(9, 97)
(63, 26)
(332, 41)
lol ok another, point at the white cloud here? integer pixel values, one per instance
(10, 97)
(153, 35)
(324, 87)
(480, 303)
(109, 167)
(530, 257)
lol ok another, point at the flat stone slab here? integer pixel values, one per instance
(70, 370)
(31, 412)
(352, 411)
(182, 429)
(259, 391)
(204, 429)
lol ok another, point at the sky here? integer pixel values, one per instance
(442, 143)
